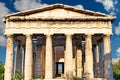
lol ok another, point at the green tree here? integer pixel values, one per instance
(1, 71)
(116, 71)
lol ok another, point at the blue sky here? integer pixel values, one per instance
(111, 7)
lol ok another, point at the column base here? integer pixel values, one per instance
(101, 79)
(54, 79)
(90, 79)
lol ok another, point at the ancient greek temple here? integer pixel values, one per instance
(58, 41)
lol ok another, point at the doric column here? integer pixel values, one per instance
(43, 60)
(37, 61)
(23, 59)
(101, 60)
(79, 63)
(19, 59)
(35, 66)
(28, 57)
(97, 60)
(68, 57)
(9, 58)
(107, 58)
(88, 66)
(49, 58)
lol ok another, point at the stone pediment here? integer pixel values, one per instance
(58, 11)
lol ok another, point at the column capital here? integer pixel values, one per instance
(28, 35)
(107, 34)
(89, 34)
(9, 35)
(68, 35)
(48, 35)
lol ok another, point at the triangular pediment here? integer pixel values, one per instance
(58, 11)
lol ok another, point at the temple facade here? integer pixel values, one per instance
(58, 41)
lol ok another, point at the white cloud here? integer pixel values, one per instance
(118, 52)
(2, 41)
(117, 29)
(2, 26)
(79, 6)
(109, 5)
(27, 4)
(3, 11)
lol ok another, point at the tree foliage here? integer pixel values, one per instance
(116, 71)
(18, 76)
(1, 71)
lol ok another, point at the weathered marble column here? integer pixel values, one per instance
(19, 59)
(23, 59)
(28, 58)
(38, 61)
(107, 58)
(34, 69)
(43, 60)
(79, 63)
(101, 59)
(49, 58)
(9, 58)
(97, 60)
(68, 57)
(88, 66)
(65, 66)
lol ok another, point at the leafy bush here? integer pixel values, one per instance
(18, 76)
(1, 71)
(116, 72)
(77, 78)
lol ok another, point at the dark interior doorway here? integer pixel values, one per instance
(59, 69)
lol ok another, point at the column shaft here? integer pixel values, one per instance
(43, 60)
(107, 58)
(23, 60)
(97, 60)
(69, 56)
(79, 63)
(9, 58)
(49, 58)
(88, 66)
(101, 59)
(19, 59)
(28, 58)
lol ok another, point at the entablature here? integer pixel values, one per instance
(57, 24)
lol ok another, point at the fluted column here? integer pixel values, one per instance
(23, 59)
(68, 56)
(79, 63)
(107, 58)
(88, 66)
(28, 58)
(9, 58)
(43, 60)
(49, 58)
(97, 60)
(101, 58)
(19, 59)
